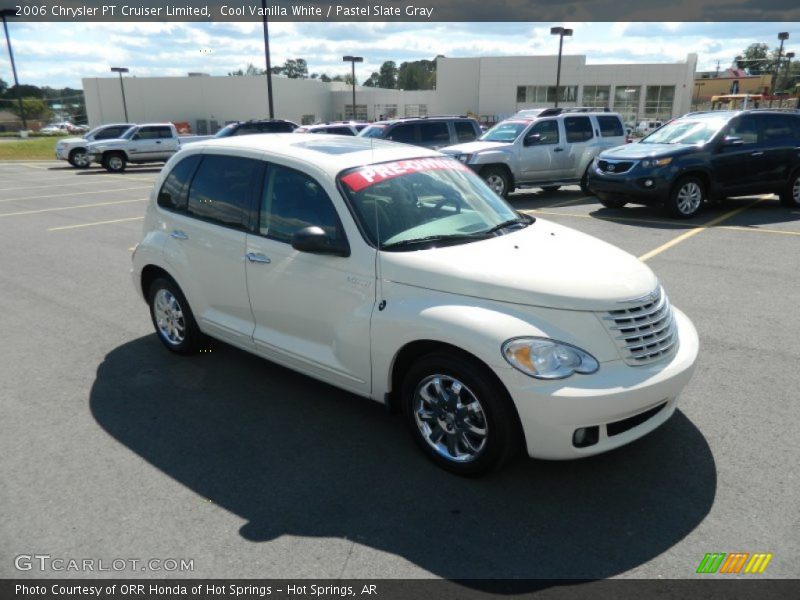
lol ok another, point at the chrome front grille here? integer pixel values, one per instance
(644, 330)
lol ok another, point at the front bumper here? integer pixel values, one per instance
(61, 153)
(643, 186)
(551, 411)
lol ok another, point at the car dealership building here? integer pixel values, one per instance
(490, 87)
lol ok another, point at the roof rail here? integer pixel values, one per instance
(549, 112)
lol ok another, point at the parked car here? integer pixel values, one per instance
(56, 129)
(335, 128)
(704, 156)
(73, 150)
(256, 126)
(549, 150)
(647, 127)
(429, 132)
(151, 142)
(395, 273)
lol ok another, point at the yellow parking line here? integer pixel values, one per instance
(139, 187)
(63, 227)
(45, 210)
(693, 232)
(602, 217)
(35, 167)
(565, 202)
(760, 230)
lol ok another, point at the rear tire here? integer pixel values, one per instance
(790, 196)
(114, 162)
(172, 317)
(79, 159)
(686, 198)
(497, 179)
(459, 415)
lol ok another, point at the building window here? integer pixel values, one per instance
(385, 111)
(626, 101)
(542, 94)
(658, 101)
(361, 112)
(596, 96)
(416, 110)
(308, 119)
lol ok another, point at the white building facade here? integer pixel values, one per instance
(492, 88)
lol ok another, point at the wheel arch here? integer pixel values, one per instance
(149, 274)
(502, 166)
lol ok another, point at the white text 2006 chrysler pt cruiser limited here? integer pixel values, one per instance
(395, 273)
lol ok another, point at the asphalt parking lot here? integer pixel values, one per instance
(110, 447)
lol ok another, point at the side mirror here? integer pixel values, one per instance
(314, 240)
(730, 140)
(532, 139)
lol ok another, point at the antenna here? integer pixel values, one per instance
(378, 269)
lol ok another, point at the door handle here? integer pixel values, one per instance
(558, 149)
(179, 235)
(257, 257)
(158, 141)
(757, 154)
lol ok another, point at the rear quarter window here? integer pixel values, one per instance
(578, 129)
(221, 191)
(465, 131)
(172, 194)
(610, 126)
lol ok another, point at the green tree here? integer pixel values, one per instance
(372, 80)
(3, 87)
(388, 75)
(293, 68)
(249, 71)
(417, 75)
(756, 59)
(324, 78)
(35, 108)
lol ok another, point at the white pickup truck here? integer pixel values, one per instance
(151, 142)
(73, 149)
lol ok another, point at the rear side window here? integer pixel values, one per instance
(222, 190)
(148, 133)
(403, 134)
(746, 128)
(164, 132)
(465, 132)
(292, 201)
(578, 129)
(610, 126)
(172, 195)
(339, 131)
(275, 127)
(434, 133)
(777, 128)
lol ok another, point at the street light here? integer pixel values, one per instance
(353, 60)
(267, 60)
(782, 36)
(560, 32)
(4, 13)
(122, 70)
(789, 57)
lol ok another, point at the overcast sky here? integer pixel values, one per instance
(60, 54)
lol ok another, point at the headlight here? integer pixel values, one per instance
(656, 162)
(543, 358)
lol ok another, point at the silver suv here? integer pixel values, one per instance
(547, 150)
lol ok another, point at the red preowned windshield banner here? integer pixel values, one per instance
(366, 176)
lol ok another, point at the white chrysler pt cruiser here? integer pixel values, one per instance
(395, 273)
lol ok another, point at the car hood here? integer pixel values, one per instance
(636, 151)
(545, 265)
(473, 147)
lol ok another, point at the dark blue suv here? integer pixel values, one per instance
(701, 157)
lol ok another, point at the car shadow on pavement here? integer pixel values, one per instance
(129, 171)
(294, 456)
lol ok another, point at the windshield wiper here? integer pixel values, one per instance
(504, 224)
(452, 237)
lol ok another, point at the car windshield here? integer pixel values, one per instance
(373, 131)
(505, 131)
(685, 131)
(426, 202)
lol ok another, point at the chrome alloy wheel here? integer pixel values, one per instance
(115, 163)
(169, 317)
(690, 196)
(81, 159)
(496, 183)
(450, 418)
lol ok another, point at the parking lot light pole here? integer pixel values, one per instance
(787, 72)
(782, 36)
(353, 60)
(122, 70)
(267, 59)
(5, 13)
(560, 32)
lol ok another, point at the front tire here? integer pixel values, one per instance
(686, 198)
(790, 196)
(172, 317)
(551, 188)
(497, 179)
(114, 162)
(79, 159)
(612, 202)
(459, 414)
